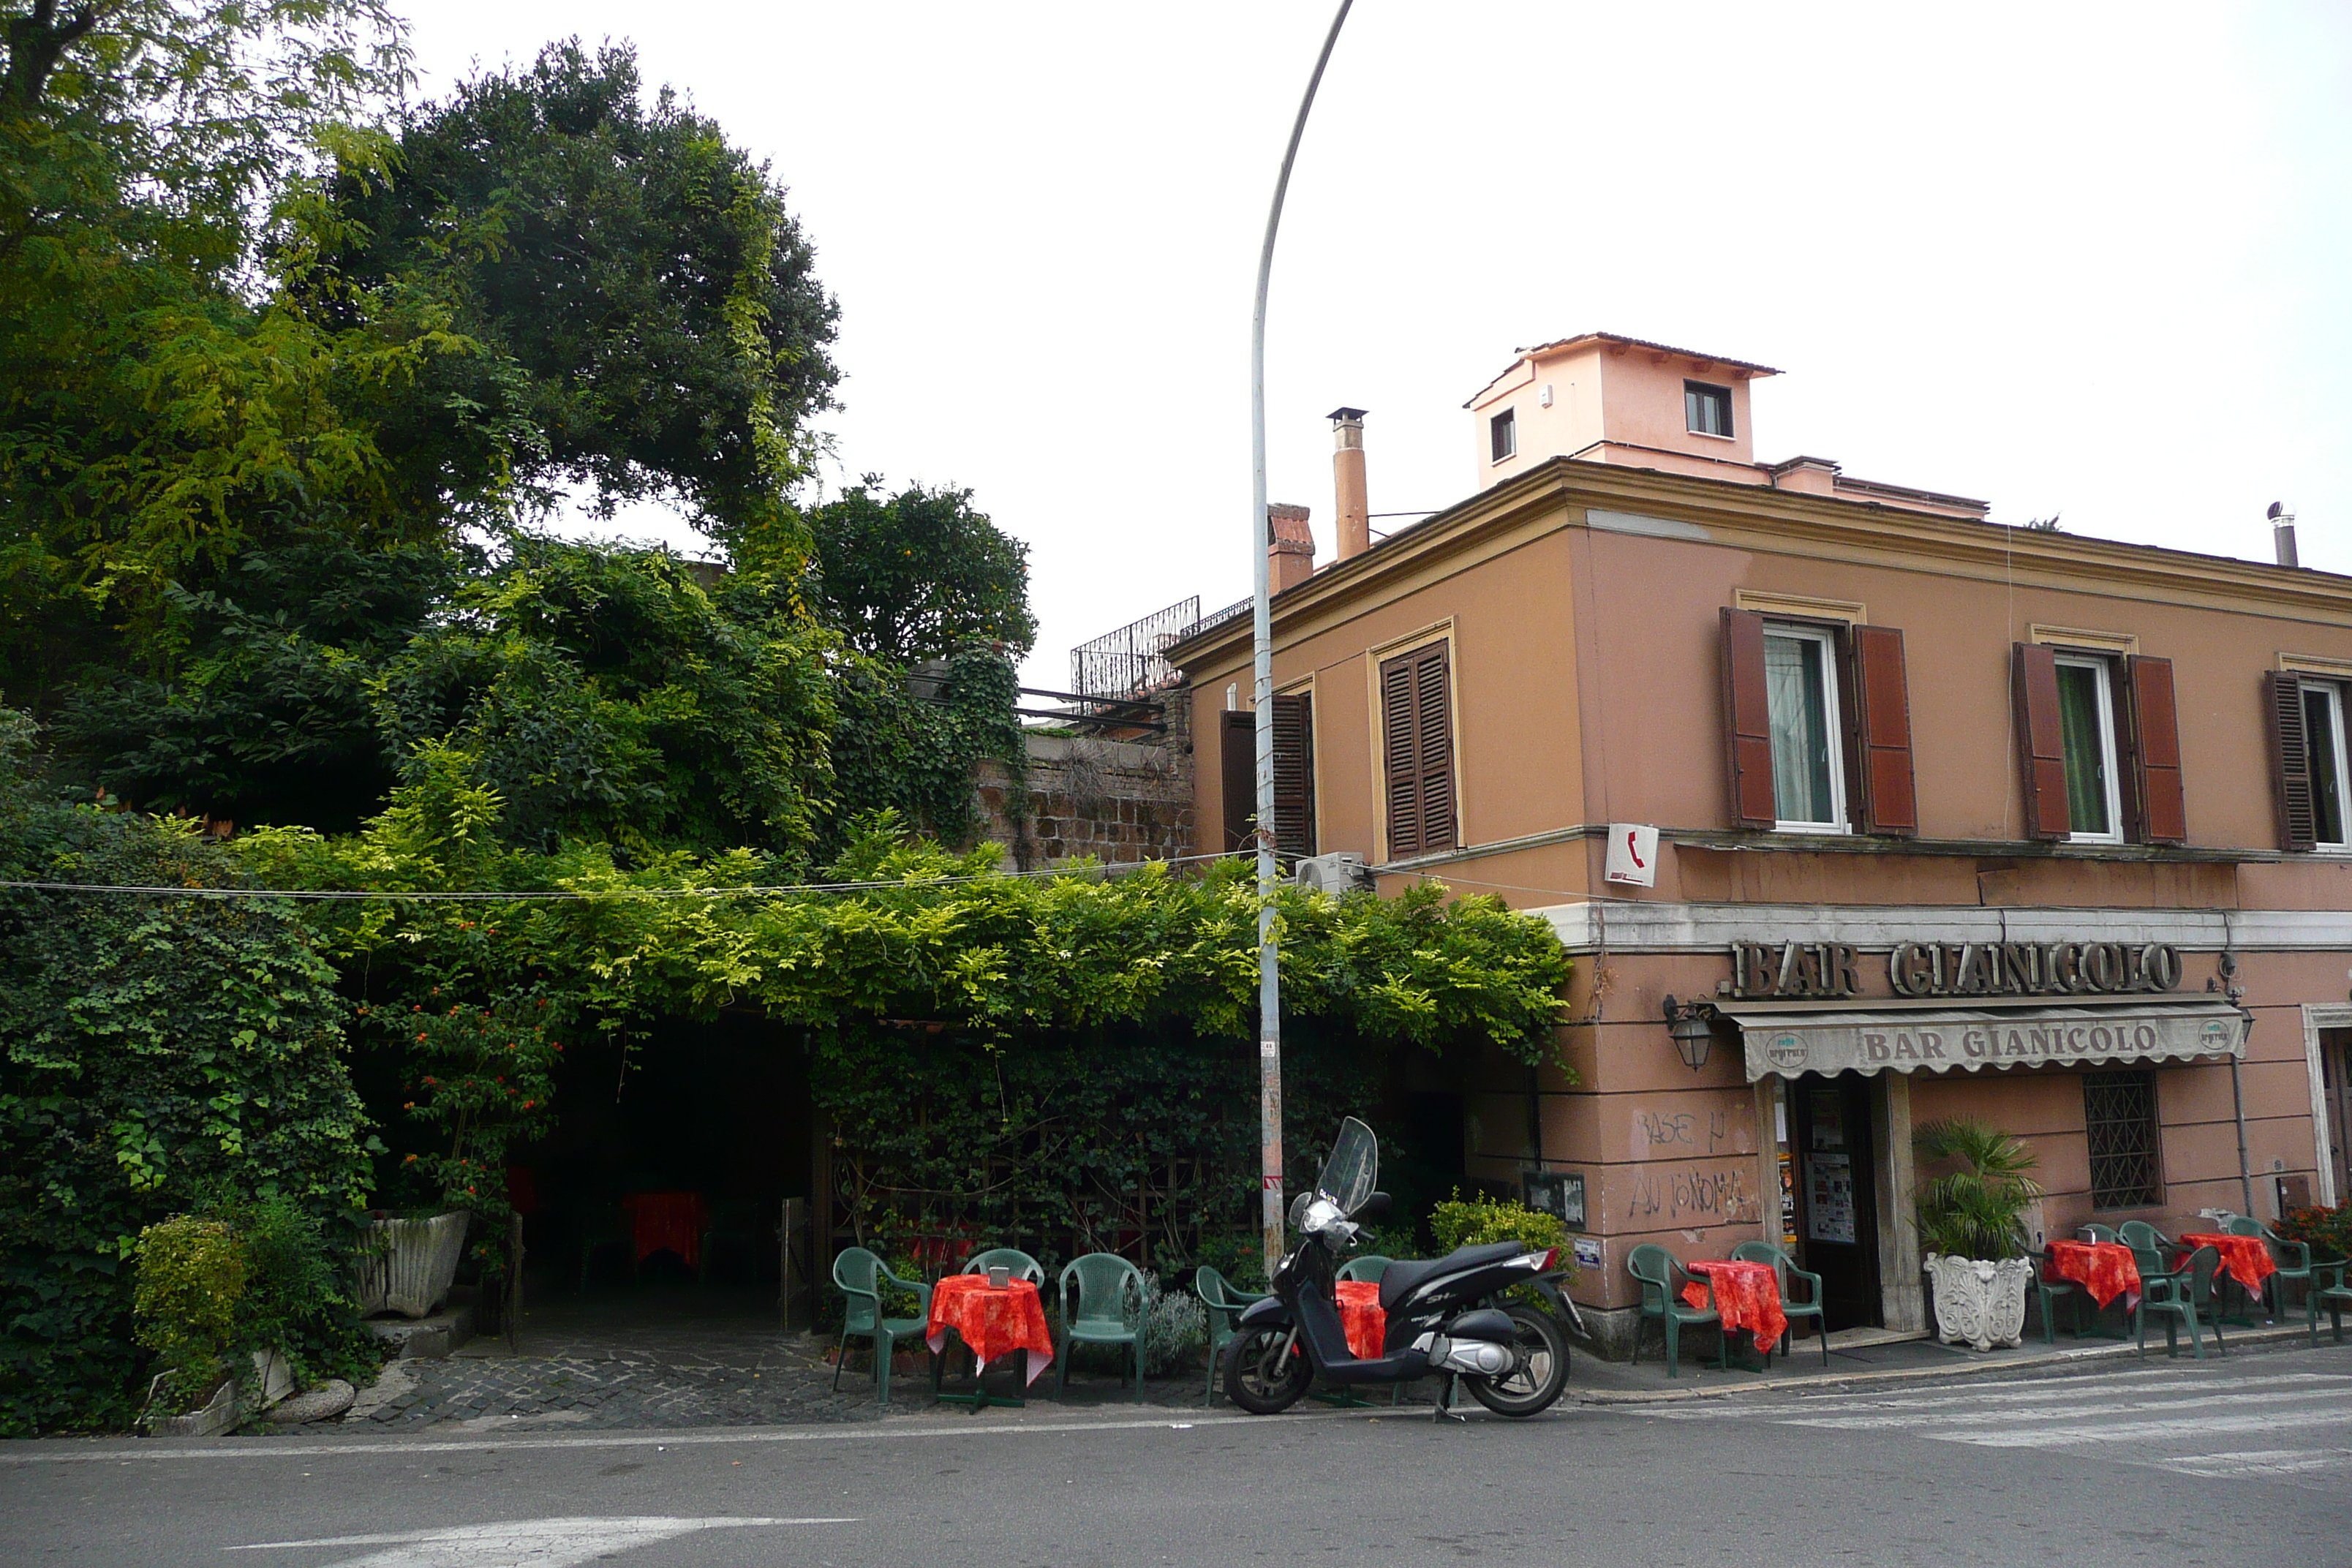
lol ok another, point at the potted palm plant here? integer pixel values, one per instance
(1972, 1230)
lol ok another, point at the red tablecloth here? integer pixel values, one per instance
(1361, 1315)
(667, 1220)
(994, 1322)
(2246, 1257)
(1746, 1294)
(2104, 1269)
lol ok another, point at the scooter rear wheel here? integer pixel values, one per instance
(1541, 1373)
(1266, 1370)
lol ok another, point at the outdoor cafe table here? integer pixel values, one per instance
(1747, 1295)
(1361, 1315)
(993, 1322)
(2105, 1270)
(2246, 1258)
(666, 1222)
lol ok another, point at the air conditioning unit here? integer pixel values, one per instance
(1335, 874)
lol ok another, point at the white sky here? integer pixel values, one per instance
(2083, 260)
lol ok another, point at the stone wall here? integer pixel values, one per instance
(1116, 801)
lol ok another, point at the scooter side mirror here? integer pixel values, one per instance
(1373, 1207)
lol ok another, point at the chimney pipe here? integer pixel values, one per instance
(1289, 546)
(1348, 479)
(2283, 534)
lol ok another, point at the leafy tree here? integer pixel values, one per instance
(603, 693)
(920, 574)
(157, 1053)
(641, 272)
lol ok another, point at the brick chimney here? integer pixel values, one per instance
(1348, 479)
(1290, 547)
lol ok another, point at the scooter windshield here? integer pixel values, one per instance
(1353, 1168)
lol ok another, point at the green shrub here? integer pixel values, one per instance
(1176, 1326)
(2326, 1231)
(157, 1054)
(1477, 1220)
(192, 1281)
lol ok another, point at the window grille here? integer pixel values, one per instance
(2119, 1113)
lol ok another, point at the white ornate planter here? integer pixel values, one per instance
(1979, 1304)
(406, 1265)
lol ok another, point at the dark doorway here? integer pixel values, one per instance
(670, 1170)
(2335, 1071)
(1834, 1135)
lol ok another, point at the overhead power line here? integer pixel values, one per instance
(580, 894)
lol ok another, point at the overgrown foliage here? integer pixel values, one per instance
(2326, 1231)
(156, 1053)
(482, 1079)
(1976, 1207)
(190, 1282)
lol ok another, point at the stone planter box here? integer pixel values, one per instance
(1979, 1304)
(406, 1265)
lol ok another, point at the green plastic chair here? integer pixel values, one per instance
(2051, 1292)
(2292, 1259)
(1786, 1267)
(2184, 1296)
(1101, 1316)
(2140, 1235)
(1655, 1269)
(860, 1277)
(1023, 1265)
(2327, 1289)
(1371, 1266)
(1224, 1305)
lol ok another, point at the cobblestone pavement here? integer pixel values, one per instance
(669, 1357)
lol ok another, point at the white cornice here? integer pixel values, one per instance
(1630, 926)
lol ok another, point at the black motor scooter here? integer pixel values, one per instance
(1512, 1359)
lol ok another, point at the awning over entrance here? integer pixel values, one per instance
(1783, 1041)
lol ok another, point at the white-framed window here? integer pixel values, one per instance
(1706, 410)
(2086, 724)
(1503, 433)
(1801, 692)
(2322, 739)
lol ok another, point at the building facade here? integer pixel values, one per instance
(1951, 819)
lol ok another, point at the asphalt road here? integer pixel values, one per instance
(2239, 1461)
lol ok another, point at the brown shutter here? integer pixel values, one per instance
(1417, 748)
(1746, 721)
(1237, 768)
(1294, 775)
(2291, 762)
(2160, 807)
(1883, 732)
(2041, 743)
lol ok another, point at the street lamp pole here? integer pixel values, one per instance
(1269, 969)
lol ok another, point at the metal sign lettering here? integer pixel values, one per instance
(1809, 970)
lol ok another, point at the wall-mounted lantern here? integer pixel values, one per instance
(1689, 1022)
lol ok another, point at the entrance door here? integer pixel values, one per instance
(2334, 1068)
(1837, 1194)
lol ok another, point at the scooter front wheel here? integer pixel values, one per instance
(1266, 1370)
(1540, 1375)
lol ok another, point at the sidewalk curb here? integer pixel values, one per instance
(2051, 1361)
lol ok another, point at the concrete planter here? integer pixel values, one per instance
(218, 1414)
(406, 1265)
(1979, 1304)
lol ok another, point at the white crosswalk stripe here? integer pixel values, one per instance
(2220, 1425)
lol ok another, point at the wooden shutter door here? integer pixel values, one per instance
(2041, 743)
(1746, 721)
(1883, 732)
(2161, 808)
(1237, 770)
(2290, 762)
(1294, 775)
(1417, 750)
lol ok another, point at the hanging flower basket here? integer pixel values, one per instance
(406, 1265)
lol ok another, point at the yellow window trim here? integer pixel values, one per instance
(2078, 636)
(1799, 605)
(2317, 664)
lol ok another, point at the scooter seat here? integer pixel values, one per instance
(1400, 1277)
